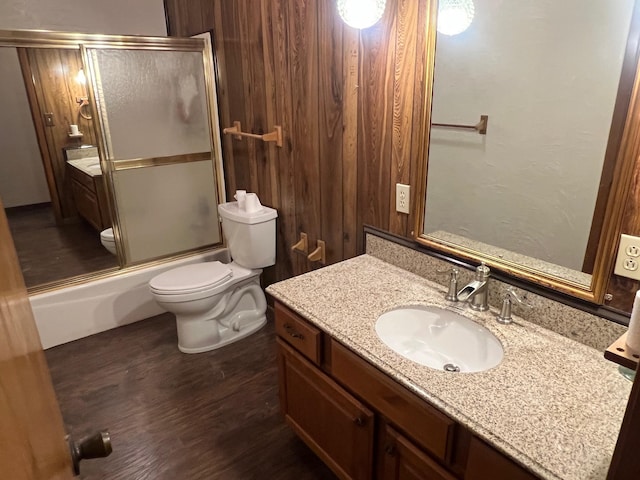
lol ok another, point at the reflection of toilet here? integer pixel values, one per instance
(107, 240)
(215, 303)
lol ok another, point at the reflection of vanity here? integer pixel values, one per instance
(364, 409)
(87, 187)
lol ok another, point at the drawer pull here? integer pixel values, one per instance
(390, 449)
(359, 421)
(292, 332)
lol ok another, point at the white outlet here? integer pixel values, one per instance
(627, 262)
(403, 198)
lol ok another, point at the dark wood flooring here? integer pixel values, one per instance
(50, 252)
(212, 415)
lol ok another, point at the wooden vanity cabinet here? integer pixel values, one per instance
(363, 424)
(90, 198)
(336, 426)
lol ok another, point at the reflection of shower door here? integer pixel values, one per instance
(153, 110)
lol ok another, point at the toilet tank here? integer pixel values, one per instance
(251, 236)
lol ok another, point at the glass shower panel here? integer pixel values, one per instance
(153, 108)
(153, 102)
(169, 208)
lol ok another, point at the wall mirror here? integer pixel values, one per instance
(530, 137)
(106, 135)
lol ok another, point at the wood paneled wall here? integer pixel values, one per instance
(51, 86)
(347, 100)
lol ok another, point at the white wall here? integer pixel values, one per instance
(546, 73)
(22, 180)
(133, 17)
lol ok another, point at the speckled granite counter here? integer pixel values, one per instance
(553, 405)
(89, 165)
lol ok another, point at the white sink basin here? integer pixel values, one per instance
(439, 339)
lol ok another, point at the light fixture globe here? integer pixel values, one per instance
(361, 13)
(454, 16)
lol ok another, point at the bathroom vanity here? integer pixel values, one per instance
(88, 191)
(551, 409)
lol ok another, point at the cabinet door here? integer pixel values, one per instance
(87, 204)
(486, 462)
(337, 427)
(404, 461)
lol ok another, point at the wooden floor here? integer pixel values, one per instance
(173, 416)
(49, 252)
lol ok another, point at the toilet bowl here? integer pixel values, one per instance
(216, 303)
(107, 240)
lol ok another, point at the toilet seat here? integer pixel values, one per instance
(195, 278)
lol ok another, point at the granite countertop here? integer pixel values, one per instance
(553, 405)
(88, 165)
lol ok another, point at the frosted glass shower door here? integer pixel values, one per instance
(155, 118)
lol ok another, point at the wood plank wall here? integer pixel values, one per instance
(50, 80)
(346, 100)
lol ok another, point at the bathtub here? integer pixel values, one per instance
(81, 310)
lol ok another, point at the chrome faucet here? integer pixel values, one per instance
(510, 296)
(476, 291)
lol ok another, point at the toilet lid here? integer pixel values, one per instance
(191, 278)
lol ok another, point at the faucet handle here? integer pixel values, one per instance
(511, 292)
(482, 272)
(452, 293)
(510, 295)
(446, 270)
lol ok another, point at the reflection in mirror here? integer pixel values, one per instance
(52, 237)
(547, 75)
(91, 186)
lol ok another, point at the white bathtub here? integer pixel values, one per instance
(75, 312)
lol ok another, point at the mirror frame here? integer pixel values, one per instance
(81, 41)
(628, 152)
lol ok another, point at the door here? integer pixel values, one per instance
(32, 437)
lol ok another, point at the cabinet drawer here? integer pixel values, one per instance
(429, 428)
(404, 461)
(336, 426)
(486, 462)
(298, 333)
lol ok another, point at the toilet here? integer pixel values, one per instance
(216, 303)
(107, 240)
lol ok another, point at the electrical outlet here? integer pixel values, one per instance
(403, 198)
(628, 261)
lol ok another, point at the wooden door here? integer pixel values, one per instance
(32, 443)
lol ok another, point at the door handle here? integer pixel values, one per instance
(97, 445)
